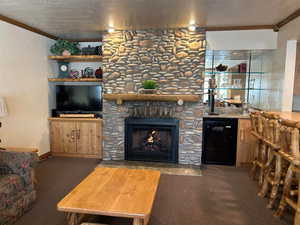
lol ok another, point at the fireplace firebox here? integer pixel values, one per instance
(151, 139)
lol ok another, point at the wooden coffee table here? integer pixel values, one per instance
(117, 192)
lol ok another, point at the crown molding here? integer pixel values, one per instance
(231, 28)
(286, 20)
(27, 27)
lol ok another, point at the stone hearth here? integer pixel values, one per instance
(175, 59)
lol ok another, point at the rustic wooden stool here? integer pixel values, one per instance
(273, 167)
(289, 138)
(258, 122)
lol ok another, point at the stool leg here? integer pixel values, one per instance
(74, 218)
(261, 171)
(138, 221)
(267, 171)
(277, 178)
(254, 163)
(286, 189)
(297, 214)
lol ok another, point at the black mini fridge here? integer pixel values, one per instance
(219, 141)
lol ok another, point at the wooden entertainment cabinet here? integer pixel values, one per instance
(76, 137)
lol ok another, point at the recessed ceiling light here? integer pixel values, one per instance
(111, 29)
(192, 27)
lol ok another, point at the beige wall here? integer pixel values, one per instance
(24, 69)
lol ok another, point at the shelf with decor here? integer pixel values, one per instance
(231, 73)
(233, 88)
(238, 74)
(77, 58)
(74, 80)
(71, 58)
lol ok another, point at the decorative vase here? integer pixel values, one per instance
(66, 53)
(98, 73)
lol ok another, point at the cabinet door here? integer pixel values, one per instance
(63, 136)
(245, 143)
(89, 138)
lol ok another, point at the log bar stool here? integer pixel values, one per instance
(258, 131)
(273, 167)
(289, 138)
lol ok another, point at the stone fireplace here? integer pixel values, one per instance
(174, 58)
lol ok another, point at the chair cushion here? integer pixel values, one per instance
(20, 204)
(10, 186)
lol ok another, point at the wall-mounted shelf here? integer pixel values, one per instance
(119, 98)
(74, 80)
(232, 88)
(77, 58)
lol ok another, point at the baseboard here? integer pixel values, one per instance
(73, 155)
(45, 156)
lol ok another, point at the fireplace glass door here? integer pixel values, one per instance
(151, 140)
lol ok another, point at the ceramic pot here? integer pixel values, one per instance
(147, 91)
(66, 53)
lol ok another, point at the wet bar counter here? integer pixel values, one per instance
(289, 115)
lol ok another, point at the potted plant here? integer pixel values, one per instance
(149, 87)
(65, 48)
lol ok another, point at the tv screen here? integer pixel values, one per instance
(78, 98)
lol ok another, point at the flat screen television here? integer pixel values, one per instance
(80, 98)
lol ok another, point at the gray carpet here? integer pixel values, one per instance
(221, 196)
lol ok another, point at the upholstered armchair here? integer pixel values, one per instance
(17, 192)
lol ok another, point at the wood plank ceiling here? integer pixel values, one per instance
(81, 19)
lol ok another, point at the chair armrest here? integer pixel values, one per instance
(20, 163)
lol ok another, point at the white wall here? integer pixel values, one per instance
(24, 69)
(284, 68)
(241, 40)
(289, 75)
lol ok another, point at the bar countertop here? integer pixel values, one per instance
(289, 115)
(229, 115)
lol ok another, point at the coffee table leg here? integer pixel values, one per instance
(138, 221)
(74, 218)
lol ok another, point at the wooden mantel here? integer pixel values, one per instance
(151, 97)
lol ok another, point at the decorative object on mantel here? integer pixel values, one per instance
(221, 68)
(65, 48)
(149, 87)
(180, 102)
(150, 111)
(3, 111)
(63, 68)
(99, 73)
(74, 74)
(92, 50)
(87, 72)
(66, 53)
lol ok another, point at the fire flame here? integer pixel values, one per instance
(151, 138)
